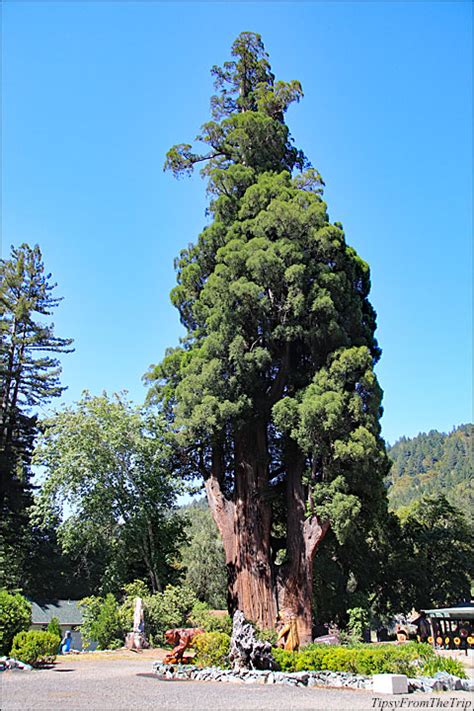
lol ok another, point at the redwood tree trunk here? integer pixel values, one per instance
(255, 585)
(303, 537)
(250, 575)
(295, 593)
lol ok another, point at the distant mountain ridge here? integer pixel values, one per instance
(433, 463)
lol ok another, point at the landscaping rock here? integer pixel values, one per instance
(10, 664)
(442, 681)
(390, 683)
(246, 651)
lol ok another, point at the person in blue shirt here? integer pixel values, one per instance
(66, 643)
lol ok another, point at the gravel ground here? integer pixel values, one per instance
(118, 683)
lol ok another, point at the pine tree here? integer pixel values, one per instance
(272, 393)
(29, 377)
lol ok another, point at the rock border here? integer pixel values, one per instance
(442, 681)
(10, 664)
(183, 672)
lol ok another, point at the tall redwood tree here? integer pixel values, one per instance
(272, 393)
(29, 378)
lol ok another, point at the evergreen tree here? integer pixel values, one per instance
(202, 555)
(272, 393)
(29, 377)
(433, 464)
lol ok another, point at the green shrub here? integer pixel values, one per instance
(416, 650)
(53, 627)
(266, 635)
(447, 664)
(102, 622)
(212, 649)
(389, 660)
(201, 617)
(35, 647)
(15, 616)
(358, 622)
(286, 660)
(166, 610)
(340, 659)
(410, 659)
(311, 657)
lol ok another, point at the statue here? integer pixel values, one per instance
(288, 634)
(136, 640)
(181, 639)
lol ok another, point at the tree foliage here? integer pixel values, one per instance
(439, 553)
(202, 556)
(15, 616)
(167, 609)
(57, 573)
(109, 479)
(367, 570)
(29, 372)
(54, 627)
(272, 393)
(102, 622)
(433, 464)
(420, 560)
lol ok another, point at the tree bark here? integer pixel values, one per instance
(295, 583)
(255, 585)
(244, 524)
(251, 576)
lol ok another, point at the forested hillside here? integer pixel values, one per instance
(433, 464)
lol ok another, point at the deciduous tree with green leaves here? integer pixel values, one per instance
(272, 393)
(439, 553)
(109, 477)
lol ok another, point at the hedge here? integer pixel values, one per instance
(411, 659)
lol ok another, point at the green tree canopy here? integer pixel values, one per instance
(272, 393)
(440, 548)
(202, 556)
(29, 378)
(109, 476)
(433, 464)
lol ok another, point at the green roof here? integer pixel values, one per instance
(67, 612)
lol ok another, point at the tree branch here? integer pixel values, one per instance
(276, 390)
(222, 509)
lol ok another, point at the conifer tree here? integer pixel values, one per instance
(29, 377)
(272, 393)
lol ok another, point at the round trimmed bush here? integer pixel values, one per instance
(212, 649)
(35, 647)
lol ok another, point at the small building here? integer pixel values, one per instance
(452, 627)
(67, 612)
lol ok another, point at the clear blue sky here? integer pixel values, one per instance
(95, 93)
